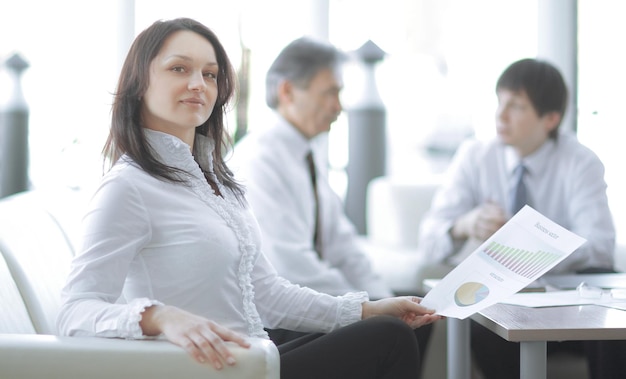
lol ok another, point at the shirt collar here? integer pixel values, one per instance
(296, 143)
(532, 162)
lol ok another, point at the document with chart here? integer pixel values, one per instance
(522, 250)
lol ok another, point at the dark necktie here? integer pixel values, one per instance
(316, 231)
(519, 194)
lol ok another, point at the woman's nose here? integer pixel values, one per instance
(196, 82)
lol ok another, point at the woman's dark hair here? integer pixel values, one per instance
(543, 84)
(126, 135)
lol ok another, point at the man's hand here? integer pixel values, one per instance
(479, 223)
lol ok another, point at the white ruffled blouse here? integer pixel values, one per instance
(147, 241)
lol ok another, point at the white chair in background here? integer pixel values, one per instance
(395, 209)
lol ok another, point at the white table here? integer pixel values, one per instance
(534, 327)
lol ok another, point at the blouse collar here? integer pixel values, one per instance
(173, 152)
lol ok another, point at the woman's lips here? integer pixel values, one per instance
(193, 101)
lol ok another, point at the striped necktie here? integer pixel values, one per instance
(317, 238)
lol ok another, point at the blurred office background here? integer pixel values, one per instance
(436, 81)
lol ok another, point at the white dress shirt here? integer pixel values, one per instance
(272, 164)
(147, 241)
(565, 182)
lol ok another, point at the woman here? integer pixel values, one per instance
(170, 247)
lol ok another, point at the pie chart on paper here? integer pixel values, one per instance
(470, 293)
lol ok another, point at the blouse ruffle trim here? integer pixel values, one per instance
(130, 327)
(350, 307)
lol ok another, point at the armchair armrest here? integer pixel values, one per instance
(47, 356)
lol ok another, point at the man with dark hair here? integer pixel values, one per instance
(560, 177)
(530, 161)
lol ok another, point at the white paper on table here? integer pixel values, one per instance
(563, 298)
(548, 299)
(615, 305)
(522, 250)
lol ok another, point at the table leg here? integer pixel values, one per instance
(459, 364)
(533, 360)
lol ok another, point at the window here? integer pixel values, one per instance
(443, 58)
(601, 96)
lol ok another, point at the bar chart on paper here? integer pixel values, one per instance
(522, 250)
(523, 262)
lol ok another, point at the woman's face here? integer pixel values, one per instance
(182, 86)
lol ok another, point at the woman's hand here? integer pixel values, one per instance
(203, 339)
(407, 308)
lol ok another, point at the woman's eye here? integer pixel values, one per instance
(178, 69)
(210, 75)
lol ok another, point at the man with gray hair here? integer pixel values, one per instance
(306, 233)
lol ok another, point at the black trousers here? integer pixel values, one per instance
(380, 347)
(281, 336)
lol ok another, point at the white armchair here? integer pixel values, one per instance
(25, 356)
(35, 251)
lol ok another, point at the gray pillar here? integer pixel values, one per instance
(366, 138)
(558, 44)
(14, 132)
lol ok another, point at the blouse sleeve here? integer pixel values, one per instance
(283, 304)
(115, 228)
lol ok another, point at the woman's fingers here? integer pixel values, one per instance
(206, 347)
(192, 348)
(204, 340)
(211, 341)
(230, 335)
(213, 349)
